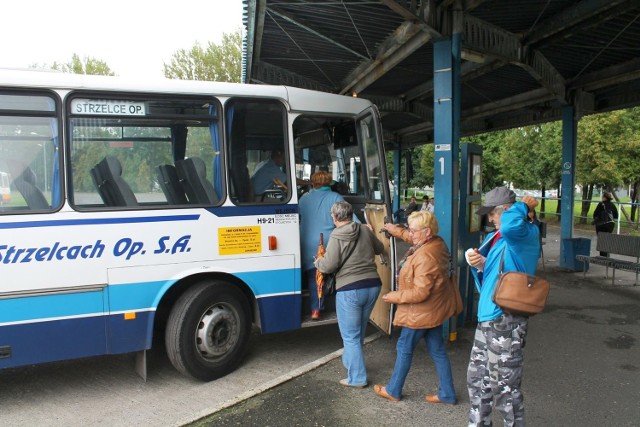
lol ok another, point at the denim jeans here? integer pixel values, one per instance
(310, 275)
(354, 308)
(407, 342)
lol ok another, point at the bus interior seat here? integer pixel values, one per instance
(170, 185)
(193, 176)
(241, 184)
(26, 185)
(114, 190)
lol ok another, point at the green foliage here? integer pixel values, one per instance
(531, 156)
(217, 62)
(87, 65)
(608, 147)
(421, 159)
(423, 175)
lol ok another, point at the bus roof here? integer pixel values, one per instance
(298, 99)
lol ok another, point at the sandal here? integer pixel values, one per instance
(382, 392)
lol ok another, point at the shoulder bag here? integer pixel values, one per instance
(520, 293)
(453, 284)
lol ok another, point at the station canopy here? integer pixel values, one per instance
(522, 60)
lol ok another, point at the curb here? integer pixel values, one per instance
(275, 382)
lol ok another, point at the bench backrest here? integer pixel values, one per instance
(619, 244)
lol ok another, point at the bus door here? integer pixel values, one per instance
(377, 206)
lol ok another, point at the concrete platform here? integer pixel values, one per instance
(582, 368)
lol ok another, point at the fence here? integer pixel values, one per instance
(622, 219)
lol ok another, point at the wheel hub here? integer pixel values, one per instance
(217, 332)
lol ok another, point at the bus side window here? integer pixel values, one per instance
(256, 144)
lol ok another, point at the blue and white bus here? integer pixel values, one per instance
(132, 213)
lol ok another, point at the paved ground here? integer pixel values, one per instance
(582, 368)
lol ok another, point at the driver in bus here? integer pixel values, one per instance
(271, 172)
(265, 173)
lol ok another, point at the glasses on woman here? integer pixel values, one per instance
(414, 231)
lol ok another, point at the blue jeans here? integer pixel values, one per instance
(407, 342)
(354, 308)
(313, 290)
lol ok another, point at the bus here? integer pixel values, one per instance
(133, 220)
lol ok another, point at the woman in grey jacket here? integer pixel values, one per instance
(351, 255)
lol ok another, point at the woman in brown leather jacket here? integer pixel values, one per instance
(425, 299)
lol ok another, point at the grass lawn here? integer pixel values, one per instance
(551, 206)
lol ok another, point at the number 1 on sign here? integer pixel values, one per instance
(441, 160)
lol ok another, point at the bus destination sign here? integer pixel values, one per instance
(107, 107)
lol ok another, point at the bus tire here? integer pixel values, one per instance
(208, 330)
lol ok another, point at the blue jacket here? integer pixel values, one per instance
(521, 245)
(263, 176)
(315, 218)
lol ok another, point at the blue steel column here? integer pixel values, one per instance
(569, 146)
(446, 122)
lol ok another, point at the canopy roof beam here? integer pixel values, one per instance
(406, 39)
(489, 39)
(265, 72)
(308, 29)
(576, 18)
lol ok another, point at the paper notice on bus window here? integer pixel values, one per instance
(239, 240)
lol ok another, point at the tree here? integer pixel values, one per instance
(87, 65)
(222, 63)
(627, 158)
(516, 154)
(531, 156)
(607, 152)
(416, 167)
(426, 158)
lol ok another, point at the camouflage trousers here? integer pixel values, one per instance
(495, 371)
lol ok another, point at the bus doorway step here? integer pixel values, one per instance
(327, 318)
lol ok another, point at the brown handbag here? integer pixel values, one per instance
(520, 293)
(453, 283)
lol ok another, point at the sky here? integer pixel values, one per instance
(133, 37)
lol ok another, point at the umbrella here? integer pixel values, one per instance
(320, 275)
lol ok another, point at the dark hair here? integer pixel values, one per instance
(340, 187)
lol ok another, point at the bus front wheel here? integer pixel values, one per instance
(208, 330)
